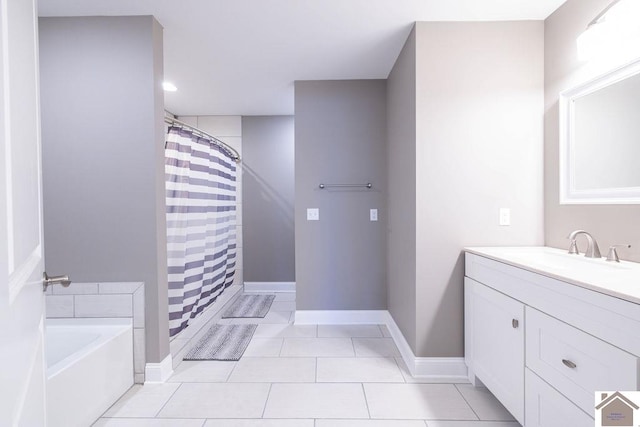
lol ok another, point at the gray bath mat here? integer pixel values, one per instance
(249, 306)
(222, 342)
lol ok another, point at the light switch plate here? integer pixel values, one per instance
(313, 214)
(373, 214)
(505, 216)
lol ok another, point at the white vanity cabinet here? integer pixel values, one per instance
(495, 333)
(544, 346)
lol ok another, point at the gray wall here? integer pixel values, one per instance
(268, 196)
(401, 201)
(478, 148)
(103, 157)
(609, 224)
(340, 134)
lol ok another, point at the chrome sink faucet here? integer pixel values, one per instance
(593, 251)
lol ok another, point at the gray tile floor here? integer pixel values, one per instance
(305, 376)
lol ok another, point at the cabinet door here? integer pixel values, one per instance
(495, 344)
(548, 408)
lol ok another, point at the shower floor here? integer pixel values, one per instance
(305, 376)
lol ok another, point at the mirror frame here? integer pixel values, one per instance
(568, 193)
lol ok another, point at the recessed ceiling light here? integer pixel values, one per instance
(169, 87)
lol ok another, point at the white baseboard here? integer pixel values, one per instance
(269, 286)
(436, 369)
(341, 317)
(401, 343)
(432, 369)
(158, 372)
(441, 369)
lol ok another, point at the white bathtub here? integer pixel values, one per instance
(89, 366)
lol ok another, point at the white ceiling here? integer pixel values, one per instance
(241, 57)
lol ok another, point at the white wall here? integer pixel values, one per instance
(477, 111)
(478, 148)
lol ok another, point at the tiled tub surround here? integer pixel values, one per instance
(104, 300)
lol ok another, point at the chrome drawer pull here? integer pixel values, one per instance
(569, 364)
(515, 323)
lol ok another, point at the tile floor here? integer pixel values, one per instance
(305, 376)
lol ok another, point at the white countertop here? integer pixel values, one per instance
(620, 280)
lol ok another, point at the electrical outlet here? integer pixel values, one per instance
(373, 214)
(505, 216)
(313, 214)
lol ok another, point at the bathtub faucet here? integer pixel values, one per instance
(593, 251)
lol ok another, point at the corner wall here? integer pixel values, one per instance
(401, 200)
(103, 157)
(478, 149)
(609, 224)
(340, 137)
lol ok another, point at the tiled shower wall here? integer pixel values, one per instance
(108, 299)
(228, 129)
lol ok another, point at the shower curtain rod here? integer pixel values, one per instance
(230, 150)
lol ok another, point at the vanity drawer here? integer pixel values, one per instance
(574, 362)
(545, 407)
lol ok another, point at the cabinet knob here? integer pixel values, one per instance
(515, 323)
(51, 280)
(569, 364)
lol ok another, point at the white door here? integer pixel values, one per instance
(22, 367)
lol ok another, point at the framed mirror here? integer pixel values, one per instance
(600, 139)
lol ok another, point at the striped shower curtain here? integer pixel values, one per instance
(201, 224)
